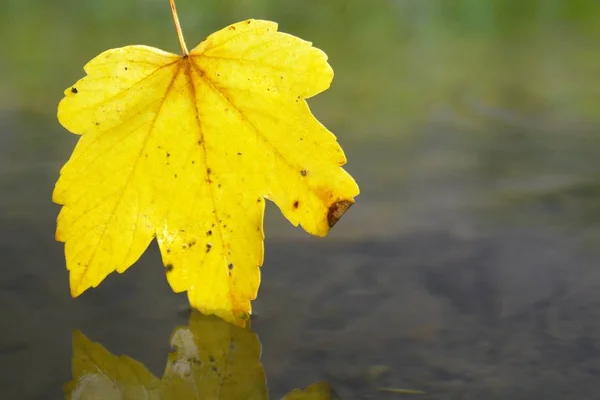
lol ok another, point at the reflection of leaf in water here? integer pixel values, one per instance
(211, 359)
(97, 374)
(316, 391)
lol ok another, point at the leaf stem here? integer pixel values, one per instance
(178, 29)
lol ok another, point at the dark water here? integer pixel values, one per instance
(469, 267)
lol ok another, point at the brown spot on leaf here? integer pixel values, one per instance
(337, 210)
(169, 268)
(74, 90)
(303, 172)
(296, 204)
(208, 247)
(230, 266)
(209, 233)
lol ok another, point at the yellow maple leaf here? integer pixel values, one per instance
(186, 149)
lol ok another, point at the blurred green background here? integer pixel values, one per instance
(465, 122)
(507, 89)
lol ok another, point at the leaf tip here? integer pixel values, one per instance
(337, 210)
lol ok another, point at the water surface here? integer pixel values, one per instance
(469, 266)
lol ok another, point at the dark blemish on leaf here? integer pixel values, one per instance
(208, 171)
(224, 226)
(232, 28)
(213, 225)
(303, 172)
(296, 204)
(281, 76)
(175, 174)
(209, 233)
(301, 138)
(219, 185)
(184, 246)
(185, 56)
(218, 74)
(74, 90)
(168, 154)
(199, 142)
(248, 22)
(211, 359)
(193, 162)
(208, 247)
(169, 268)
(168, 251)
(97, 123)
(125, 68)
(159, 147)
(192, 243)
(239, 154)
(336, 210)
(230, 266)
